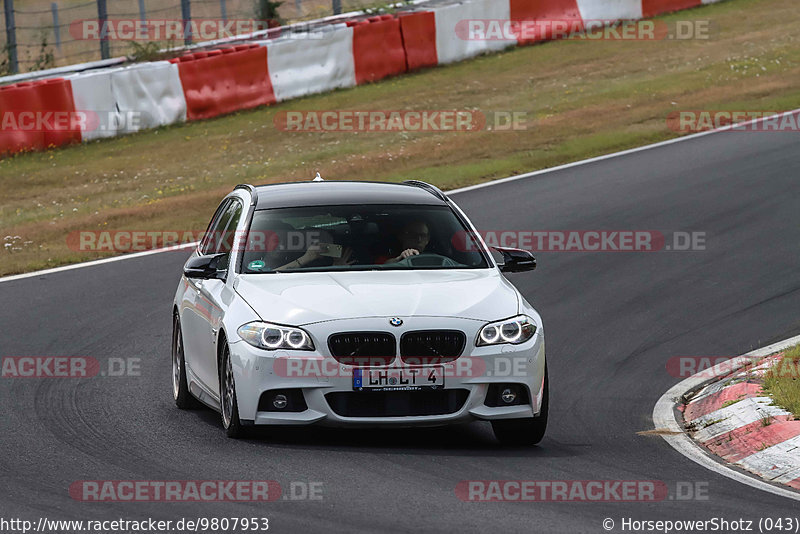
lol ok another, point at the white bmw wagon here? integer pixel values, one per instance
(356, 303)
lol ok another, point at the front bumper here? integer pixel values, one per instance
(318, 374)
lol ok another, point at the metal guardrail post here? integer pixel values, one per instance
(223, 11)
(102, 19)
(56, 28)
(337, 7)
(186, 16)
(145, 33)
(11, 36)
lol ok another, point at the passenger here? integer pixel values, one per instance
(320, 249)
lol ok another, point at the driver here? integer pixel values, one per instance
(413, 238)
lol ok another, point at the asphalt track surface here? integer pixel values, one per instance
(612, 319)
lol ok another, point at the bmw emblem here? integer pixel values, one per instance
(396, 321)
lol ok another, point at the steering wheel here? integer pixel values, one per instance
(428, 260)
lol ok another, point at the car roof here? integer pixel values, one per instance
(341, 192)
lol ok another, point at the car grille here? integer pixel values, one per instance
(432, 346)
(365, 349)
(397, 403)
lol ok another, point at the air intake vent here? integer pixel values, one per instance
(397, 403)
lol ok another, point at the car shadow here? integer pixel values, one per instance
(465, 439)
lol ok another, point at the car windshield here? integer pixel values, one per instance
(361, 237)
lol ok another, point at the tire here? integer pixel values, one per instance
(180, 386)
(228, 407)
(528, 431)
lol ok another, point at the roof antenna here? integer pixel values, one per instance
(318, 178)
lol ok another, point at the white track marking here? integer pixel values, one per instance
(96, 262)
(737, 415)
(754, 370)
(789, 476)
(453, 192)
(776, 461)
(664, 419)
(614, 155)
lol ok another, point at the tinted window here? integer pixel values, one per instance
(221, 237)
(361, 237)
(207, 243)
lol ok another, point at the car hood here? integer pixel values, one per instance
(303, 298)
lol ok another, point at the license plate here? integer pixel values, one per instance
(398, 379)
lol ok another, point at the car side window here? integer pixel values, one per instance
(208, 242)
(229, 234)
(223, 234)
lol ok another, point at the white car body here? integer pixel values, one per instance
(211, 311)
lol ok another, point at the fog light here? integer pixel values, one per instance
(508, 396)
(280, 401)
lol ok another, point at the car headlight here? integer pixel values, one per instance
(515, 331)
(273, 336)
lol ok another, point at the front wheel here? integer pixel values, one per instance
(228, 405)
(180, 387)
(529, 431)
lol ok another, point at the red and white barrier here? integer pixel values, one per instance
(419, 39)
(332, 56)
(651, 8)
(378, 49)
(30, 115)
(92, 93)
(452, 29)
(610, 10)
(306, 64)
(152, 91)
(564, 12)
(223, 81)
(56, 95)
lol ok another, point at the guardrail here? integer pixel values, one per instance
(290, 62)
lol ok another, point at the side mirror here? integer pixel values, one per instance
(516, 260)
(206, 267)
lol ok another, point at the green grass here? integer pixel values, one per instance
(782, 382)
(582, 99)
(731, 402)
